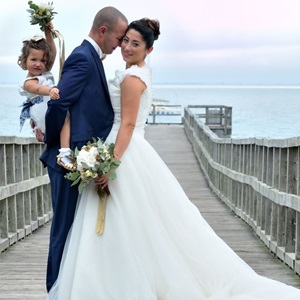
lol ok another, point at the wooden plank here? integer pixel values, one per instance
(23, 266)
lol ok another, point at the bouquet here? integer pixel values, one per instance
(93, 160)
(41, 15)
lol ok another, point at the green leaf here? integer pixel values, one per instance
(111, 148)
(85, 166)
(76, 181)
(33, 6)
(76, 151)
(112, 175)
(80, 187)
(72, 176)
(115, 164)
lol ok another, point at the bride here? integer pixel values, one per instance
(155, 244)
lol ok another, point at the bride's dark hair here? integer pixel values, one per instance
(148, 28)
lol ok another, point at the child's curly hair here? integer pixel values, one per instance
(40, 44)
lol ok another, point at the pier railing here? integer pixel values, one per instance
(165, 114)
(258, 179)
(217, 117)
(25, 202)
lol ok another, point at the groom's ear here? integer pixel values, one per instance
(102, 30)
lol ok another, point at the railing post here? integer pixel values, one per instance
(292, 172)
(283, 170)
(297, 241)
(23, 189)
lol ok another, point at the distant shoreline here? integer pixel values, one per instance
(198, 85)
(218, 86)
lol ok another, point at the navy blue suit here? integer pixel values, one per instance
(84, 93)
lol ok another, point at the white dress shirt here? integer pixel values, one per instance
(96, 46)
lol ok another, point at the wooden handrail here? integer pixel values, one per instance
(25, 202)
(258, 179)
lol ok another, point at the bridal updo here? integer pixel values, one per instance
(148, 28)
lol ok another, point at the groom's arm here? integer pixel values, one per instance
(70, 87)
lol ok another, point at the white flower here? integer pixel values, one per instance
(87, 157)
(46, 6)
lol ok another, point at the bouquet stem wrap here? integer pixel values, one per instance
(101, 211)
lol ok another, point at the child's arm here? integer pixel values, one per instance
(33, 86)
(50, 41)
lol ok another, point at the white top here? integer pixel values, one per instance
(144, 73)
(44, 79)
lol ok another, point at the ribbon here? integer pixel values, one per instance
(25, 112)
(61, 41)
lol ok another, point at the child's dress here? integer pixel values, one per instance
(35, 106)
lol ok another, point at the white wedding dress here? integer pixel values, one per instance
(155, 245)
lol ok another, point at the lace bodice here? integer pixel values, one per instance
(144, 73)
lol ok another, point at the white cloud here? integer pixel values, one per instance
(198, 37)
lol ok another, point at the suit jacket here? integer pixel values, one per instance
(84, 93)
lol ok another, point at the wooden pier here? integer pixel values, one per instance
(23, 265)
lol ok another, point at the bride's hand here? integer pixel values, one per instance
(102, 181)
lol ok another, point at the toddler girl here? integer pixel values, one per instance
(37, 57)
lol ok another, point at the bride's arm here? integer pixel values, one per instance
(131, 90)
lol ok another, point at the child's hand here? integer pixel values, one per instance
(54, 93)
(39, 135)
(50, 26)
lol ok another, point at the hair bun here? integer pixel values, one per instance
(154, 25)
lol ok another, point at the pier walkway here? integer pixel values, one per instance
(23, 265)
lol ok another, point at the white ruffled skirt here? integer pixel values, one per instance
(155, 245)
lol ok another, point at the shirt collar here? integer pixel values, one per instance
(96, 46)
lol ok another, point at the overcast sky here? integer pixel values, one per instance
(202, 41)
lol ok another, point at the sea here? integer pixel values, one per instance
(257, 111)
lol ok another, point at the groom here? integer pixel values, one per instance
(84, 93)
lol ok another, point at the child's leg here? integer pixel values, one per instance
(64, 158)
(65, 134)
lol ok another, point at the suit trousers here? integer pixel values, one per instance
(64, 201)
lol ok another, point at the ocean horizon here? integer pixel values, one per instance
(262, 111)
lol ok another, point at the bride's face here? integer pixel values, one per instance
(133, 48)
